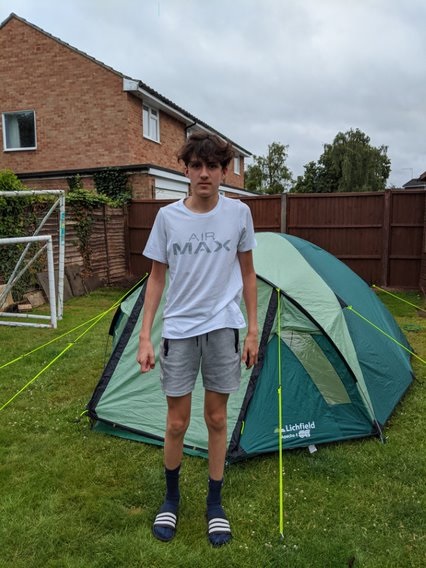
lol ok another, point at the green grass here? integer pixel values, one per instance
(74, 498)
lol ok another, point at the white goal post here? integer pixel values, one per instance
(56, 303)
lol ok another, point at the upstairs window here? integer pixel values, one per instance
(151, 123)
(19, 130)
(237, 165)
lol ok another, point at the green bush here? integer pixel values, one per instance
(75, 182)
(17, 219)
(112, 188)
(12, 210)
(113, 183)
(82, 202)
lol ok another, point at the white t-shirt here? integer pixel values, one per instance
(200, 249)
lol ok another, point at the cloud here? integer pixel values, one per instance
(292, 71)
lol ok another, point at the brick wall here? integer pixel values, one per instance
(143, 186)
(55, 183)
(233, 179)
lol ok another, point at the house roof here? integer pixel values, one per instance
(419, 182)
(139, 87)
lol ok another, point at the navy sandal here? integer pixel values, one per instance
(164, 526)
(219, 531)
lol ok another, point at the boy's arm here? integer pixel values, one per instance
(154, 290)
(251, 344)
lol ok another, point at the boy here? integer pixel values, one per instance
(206, 242)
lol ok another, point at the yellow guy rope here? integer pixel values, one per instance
(97, 317)
(55, 359)
(386, 334)
(37, 376)
(280, 418)
(398, 298)
(93, 322)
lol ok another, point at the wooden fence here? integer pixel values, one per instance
(380, 235)
(108, 258)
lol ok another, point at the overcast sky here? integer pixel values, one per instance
(261, 71)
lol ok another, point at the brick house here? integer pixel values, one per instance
(65, 113)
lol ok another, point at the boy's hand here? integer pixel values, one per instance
(250, 350)
(145, 356)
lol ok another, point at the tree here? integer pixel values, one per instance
(308, 183)
(350, 163)
(269, 174)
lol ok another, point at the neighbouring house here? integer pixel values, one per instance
(65, 113)
(416, 183)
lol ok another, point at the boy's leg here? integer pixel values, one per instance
(221, 368)
(178, 416)
(215, 414)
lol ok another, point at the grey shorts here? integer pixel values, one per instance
(216, 352)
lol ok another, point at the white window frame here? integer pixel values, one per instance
(18, 149)
(237, 165)
(151, 123)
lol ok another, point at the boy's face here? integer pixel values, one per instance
(205, 176)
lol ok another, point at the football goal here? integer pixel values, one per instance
(33, 248)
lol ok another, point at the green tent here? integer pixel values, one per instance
(341, 377)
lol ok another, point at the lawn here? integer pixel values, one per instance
(72, 498)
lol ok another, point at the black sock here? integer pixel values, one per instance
(170, 505)
(172, 486)
(219, 530)
(214, 498)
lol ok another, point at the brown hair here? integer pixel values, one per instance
(206, 147)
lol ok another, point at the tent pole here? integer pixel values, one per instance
(280, 417)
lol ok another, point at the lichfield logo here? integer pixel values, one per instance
(203, 242)
(298, 430)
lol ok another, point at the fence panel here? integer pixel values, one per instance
(380, 235)
(108, 258)
(406, 236)
(141, 215)
(266, 212)
(348, 225)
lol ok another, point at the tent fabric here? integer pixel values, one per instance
(341, 377)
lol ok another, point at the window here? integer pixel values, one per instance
(151, 123)
(19, 131)
(237, 165)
